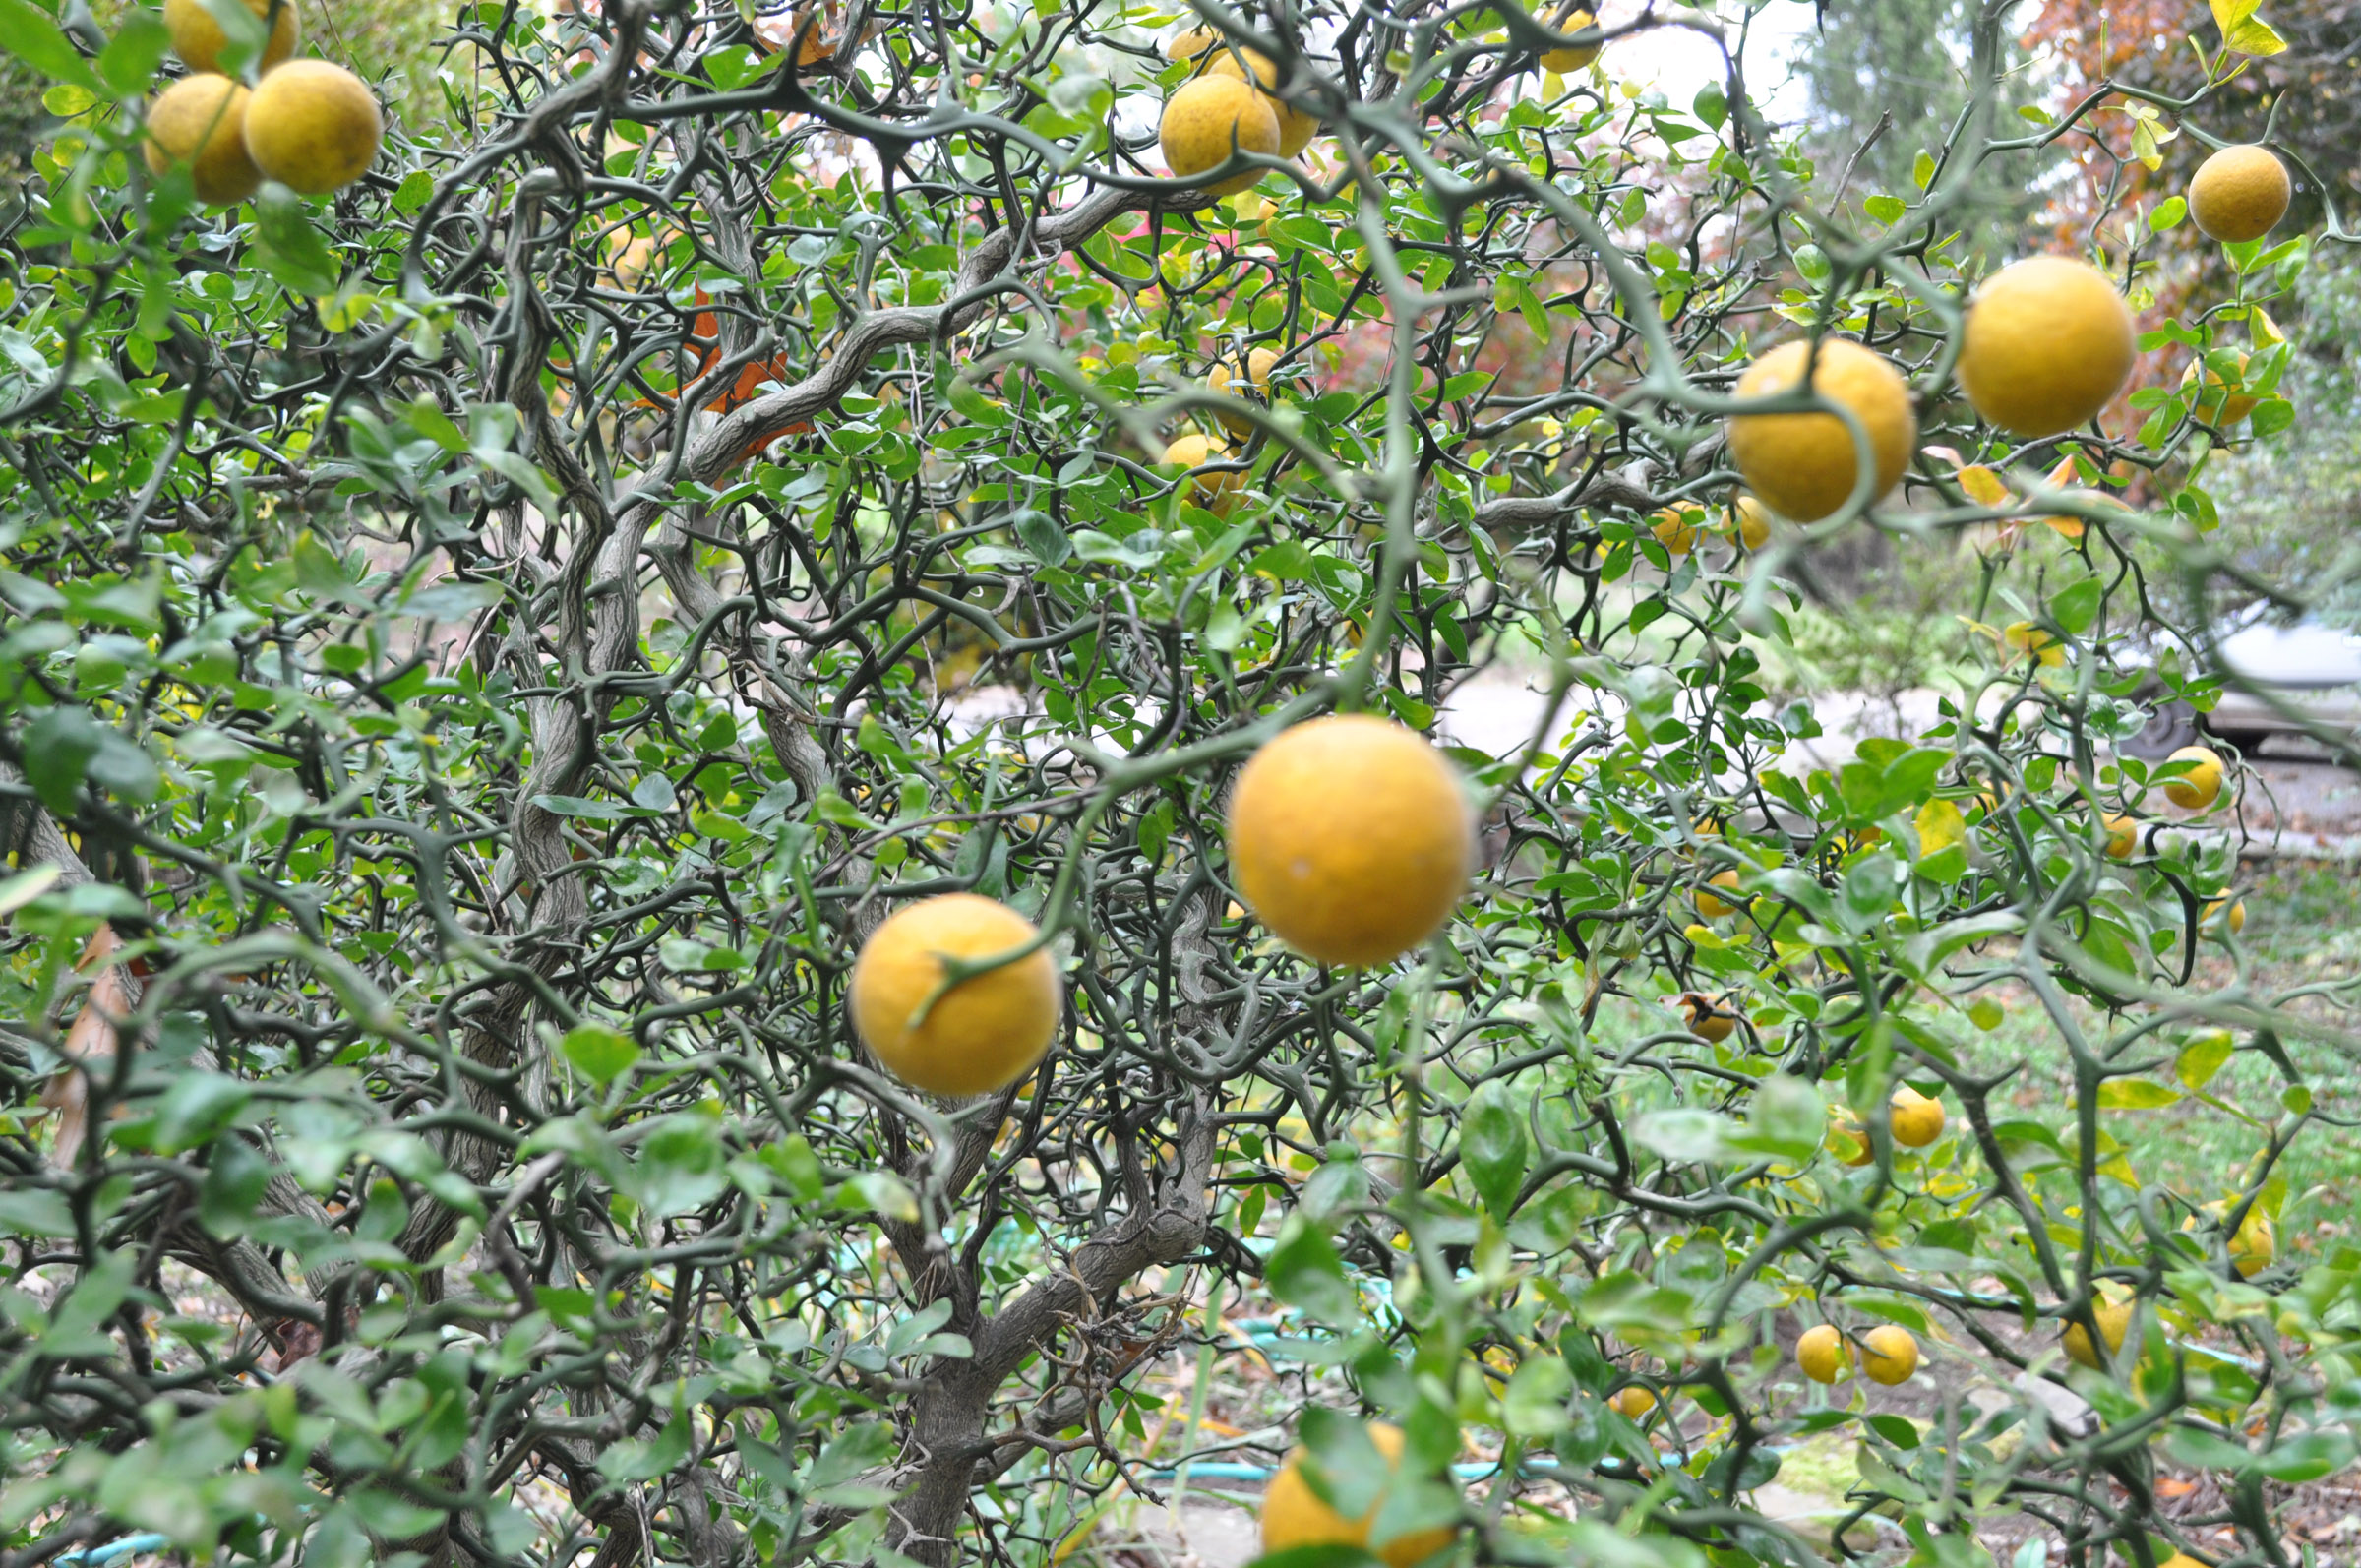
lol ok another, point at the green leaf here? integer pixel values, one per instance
(1686, 1132)
(2307, 1458)
(680, 1166)
(130, 56)
(198, 1106)
(27, 33)
(1040, 536)
(59, 747)
(1922, 171)
(600, 1053)
(2168, 215)
(1303, 1271)
(234, 1178)
(286, 244)
(1533, 1405)
(1494, 1145)
(644, 1459)
(36, 1211)
(2076, 606)
(1885, 209)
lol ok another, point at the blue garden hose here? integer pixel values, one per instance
(101, 1556)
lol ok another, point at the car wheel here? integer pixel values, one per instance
(2171, 726)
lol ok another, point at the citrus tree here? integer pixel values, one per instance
(724, 793)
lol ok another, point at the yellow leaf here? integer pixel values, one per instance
(1940, 825)
(1983, 485)
(2256, 37)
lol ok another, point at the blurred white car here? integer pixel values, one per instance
(2313, 670)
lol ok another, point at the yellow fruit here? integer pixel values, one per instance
(2254, 1246)
(1575, 58)
(1296, 128)
(984, 1033)
(1710, 905)
(1292, 1514)
(1804, 465)
(2240, 193)
(2048, 345)
(2114, 1317)
(1216, 492)
(312, 126)
(1205, 117)
(201, 121)
(199, 40)
(2123, 836)
(1225, 380)
(2216, 404)
(2200, 786)
(1889, 1355)
(1850, 1141)
(1753, 522)
(1706, 1018)
(1350, 837)
(1822, 1354)
(2236, 918)
(1675, 529)
(2024, 639)
(1191, 45)
(1914, 1119)
(1632, 1403)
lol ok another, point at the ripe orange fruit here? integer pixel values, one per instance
(1350, 837)
(1753, 521)
(1296, 128)
(1849, 1139)
(2123, 835)
(1914, 1119)
(2113, 1318)
(1804, 465)
(2255, 1244)
(1217, 492)
(2240, 193)
(1889, 1355)
(1208, 118)
(2048, 343)
(1711, 905)
(1675, 528)
(2200, 786)
(1706, 1018)
(1632, 1403)
(2216, 403)
(2235, 920)
(201, 121)
(312, 126)
(1822, 1354)
(1570, 19)
(199, 40)
(1292, 1514)
(1226, 379)
(981, 1035)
